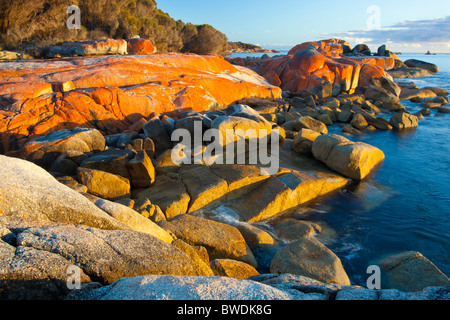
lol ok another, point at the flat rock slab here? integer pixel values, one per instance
(204, 187)
(87, 48)
(169, 194)
(240, 179)
(285, 191)
(183, 288)
(194, 187)
(106, 255)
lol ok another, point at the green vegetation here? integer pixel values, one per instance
(33, 25)
(243, 46)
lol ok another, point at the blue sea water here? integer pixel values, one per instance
(256, 55)
(403, 205)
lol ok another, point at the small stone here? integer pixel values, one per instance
(149, 147)
(359, 122)
(232, 269)
(404, 121)
(103, 184)
(141, 169)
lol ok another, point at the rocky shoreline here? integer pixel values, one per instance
(88, 179)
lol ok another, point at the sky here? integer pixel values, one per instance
(404, 25)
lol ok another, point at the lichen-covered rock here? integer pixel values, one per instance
(32, 274)
(323, 68)
(113, 93)
(140, 46)
(106, 255)
(88, 48)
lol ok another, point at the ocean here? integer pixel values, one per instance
(404, 205)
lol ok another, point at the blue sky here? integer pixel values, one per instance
(405, 25)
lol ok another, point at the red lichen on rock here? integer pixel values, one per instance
(112, 93)
(320, 67)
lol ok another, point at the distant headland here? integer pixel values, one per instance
(241, 47)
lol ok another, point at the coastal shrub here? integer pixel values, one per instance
(30, 25)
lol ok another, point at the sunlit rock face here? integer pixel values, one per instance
(111, 93)
(325, 68)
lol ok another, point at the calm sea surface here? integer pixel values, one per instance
(405, 204)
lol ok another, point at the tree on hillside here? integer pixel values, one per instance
(33, 24)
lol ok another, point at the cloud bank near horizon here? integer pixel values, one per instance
(410, 35)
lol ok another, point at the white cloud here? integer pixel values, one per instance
(410, 34)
